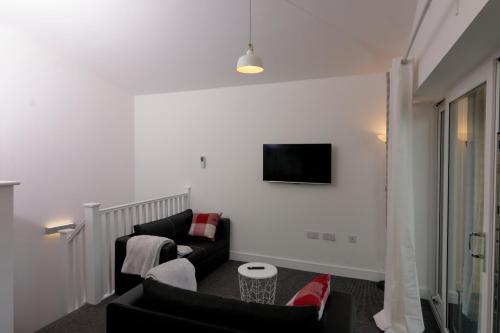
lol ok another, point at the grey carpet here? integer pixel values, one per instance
(224, 282)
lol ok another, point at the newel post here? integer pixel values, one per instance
(187, 190)
(93, 264)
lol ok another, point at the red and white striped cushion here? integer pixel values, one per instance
(315, 293)
(204, 225)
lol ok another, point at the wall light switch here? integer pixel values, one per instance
(313, 235)
(203, 160)
(329, 236)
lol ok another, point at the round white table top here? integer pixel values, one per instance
(268, 272)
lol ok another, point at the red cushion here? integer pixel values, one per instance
(315, 293)
(204, 225)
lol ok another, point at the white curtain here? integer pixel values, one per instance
(402, 311)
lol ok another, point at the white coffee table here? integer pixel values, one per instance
(258, 285)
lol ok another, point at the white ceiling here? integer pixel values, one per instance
(150, 46)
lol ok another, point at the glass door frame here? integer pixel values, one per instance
(439, 299)
(485, 295)
(496, 207)
(488, 72)
(487, 75)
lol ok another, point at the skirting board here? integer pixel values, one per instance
(310, 266)
(425, 293)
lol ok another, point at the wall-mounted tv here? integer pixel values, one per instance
(298, 163)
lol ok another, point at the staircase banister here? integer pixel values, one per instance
(73, 232)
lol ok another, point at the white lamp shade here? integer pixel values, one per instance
(249, 63)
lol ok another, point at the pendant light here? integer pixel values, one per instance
(249, 63)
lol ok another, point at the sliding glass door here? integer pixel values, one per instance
(438, 300)
(496, 269)
(465, 237)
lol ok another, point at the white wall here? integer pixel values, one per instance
(68, 137)
(444, 23)
(230, 125)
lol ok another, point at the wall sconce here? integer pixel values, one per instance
(382, 137)
(462, 131)
(462, 120)
(54, 228)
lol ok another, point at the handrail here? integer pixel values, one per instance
(108, 209)
(75, 232)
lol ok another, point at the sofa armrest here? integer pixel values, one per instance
(223, 229)
(124, 282)
(121, 252)
(339, 314)
(125, 314)
(130, 298)
(168, 252)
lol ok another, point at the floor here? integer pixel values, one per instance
(224, 282)
(458, 321)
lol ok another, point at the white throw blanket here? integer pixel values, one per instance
(179, 273)
(143, 253)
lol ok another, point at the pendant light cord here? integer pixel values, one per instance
(250, 24)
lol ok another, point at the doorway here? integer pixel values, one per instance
(466, 239)
(460, 238)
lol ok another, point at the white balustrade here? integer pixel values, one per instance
(90, 248)
(74, 252)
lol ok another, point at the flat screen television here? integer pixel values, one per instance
(298, 163)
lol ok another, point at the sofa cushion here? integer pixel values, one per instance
(315, 293)
(182, 223)
(198, 255)
(209, 246)
(204, 225)
(228, 312)
(162, 228)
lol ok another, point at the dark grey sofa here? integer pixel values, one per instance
(206, 255)
(156, 307)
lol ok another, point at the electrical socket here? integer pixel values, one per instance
(329, 236)
(313, 235)
(352, 239)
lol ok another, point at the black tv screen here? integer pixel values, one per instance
(298, 163)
